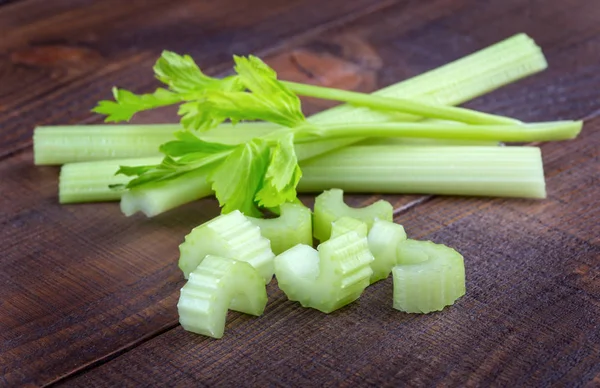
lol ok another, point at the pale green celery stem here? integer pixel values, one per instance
(158, 197)
(81, 143)
(415, 107)
(387, 141)
(451, 170)
(66, 144)
(89, 181)
(559, 130)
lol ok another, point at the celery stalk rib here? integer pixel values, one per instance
(459, 170)
(450, 170)
(81, 143)
(414, 107)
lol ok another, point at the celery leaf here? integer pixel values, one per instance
(282, 176)
(127, 104)
(237, 179)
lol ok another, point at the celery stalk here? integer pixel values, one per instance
(216, 285)
(330, 206)
(89, 181)
(446, 170)
(292, 227)
(329, 278)
(428, 277)
(451, 170)
(65, 144)
(415, 107)
(229, 235)
(548, 131)
(81, 143)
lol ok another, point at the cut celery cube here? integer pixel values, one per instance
(216, 285)
(228, 235)
(329, 278)
(330, 206)
(384, 238)
(347, 224)
(292, 227)
(428, 277)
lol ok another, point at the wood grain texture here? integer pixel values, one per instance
(83, 285)
(530, 316)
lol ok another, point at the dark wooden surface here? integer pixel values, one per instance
(89, 296)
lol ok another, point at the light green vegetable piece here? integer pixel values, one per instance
(330, 206)
(228, 235)
(348, 224)
(384, 238)
(428, 277)
(216, 285)
(329, 278)
(292, 227)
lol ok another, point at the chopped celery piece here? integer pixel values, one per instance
(330, 206)
(228, 235)
(216, 285)
(347, 224)
(329, 278)
(445, 170)
(292, 227)
(383, 239)
(428, 277)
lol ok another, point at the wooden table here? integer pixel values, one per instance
(89, 296)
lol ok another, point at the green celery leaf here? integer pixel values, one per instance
(127, 104)
(238, 178)
(188, 143)
(238, 106)
(182, 75)
(282, 176)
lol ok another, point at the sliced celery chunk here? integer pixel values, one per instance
(383, 239)
(348, 224)
(330, 206)
(329, 278)
(217, 284)
(228, 235)
(428, 277)
(292, 227)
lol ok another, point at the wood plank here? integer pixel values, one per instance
(86, 283)
(529, 318)
(58, 59)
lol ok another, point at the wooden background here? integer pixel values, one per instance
(88, 297)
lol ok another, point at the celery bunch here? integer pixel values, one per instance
(264, 171)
